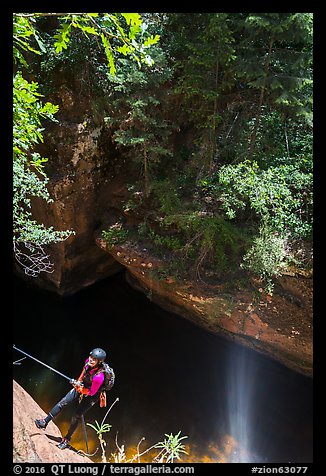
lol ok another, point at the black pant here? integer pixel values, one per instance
(84, 405)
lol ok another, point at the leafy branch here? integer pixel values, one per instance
(30, 179)
(103, 428)
(171, 448)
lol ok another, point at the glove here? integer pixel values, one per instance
(75, 383)
(82, 390)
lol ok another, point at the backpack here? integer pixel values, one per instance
(109, 377)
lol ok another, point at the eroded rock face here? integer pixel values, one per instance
(31, 445)
(279, 326)
(86, 191)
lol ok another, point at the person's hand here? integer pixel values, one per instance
(82, 390)
(75, 383)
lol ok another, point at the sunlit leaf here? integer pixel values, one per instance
(124, 49)
(151, 40)
(132, 18)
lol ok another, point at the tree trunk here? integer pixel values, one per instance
(213, 133)
(146, 184)
(261, 101)
(286, 139)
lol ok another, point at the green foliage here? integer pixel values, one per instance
(23, 35)
(167, 195)
(242, 85)
(282, 140)
(208, 240)
(171, 448)
(229, 67)
(140, 130)
(200, 81)
(124, 30)
(281, 195)
(220, 128)
(172, 243)
(200, 72)
(100, 429)
(115, 235)
(274, 55)
(29, 179)
(196, 239)
(120, 38)
(268, 256)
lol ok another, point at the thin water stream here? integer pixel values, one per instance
(232, 403)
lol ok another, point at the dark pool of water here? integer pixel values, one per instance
(171, 375)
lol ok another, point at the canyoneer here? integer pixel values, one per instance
(91, 386)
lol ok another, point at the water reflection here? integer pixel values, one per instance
(171, 376)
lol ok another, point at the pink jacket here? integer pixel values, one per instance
(97, 380)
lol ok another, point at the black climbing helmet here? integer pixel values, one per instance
(98, 354)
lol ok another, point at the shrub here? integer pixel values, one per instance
(115, 234)
(268, 256)
(280, 196)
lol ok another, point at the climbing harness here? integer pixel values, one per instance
(72, 381)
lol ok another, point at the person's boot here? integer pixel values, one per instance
(42, 424)
(63, 443)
